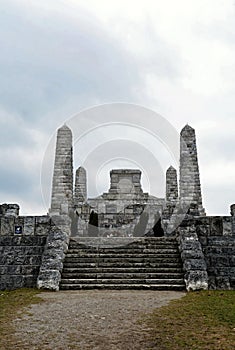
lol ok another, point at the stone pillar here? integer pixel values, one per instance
(171, 186)
(56, 247)
(80, 195)
(169, 214)
(194, 264)
(62, 186)
(190, 187)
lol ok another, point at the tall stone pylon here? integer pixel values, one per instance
(169, 217)
(171, 186)
(190, 186)
(62, 185)
(80, 195)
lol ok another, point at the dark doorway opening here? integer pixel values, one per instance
(157, 228)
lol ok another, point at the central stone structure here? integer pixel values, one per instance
(125, 205)
(120, 209)
(125, 182)
(122, 239)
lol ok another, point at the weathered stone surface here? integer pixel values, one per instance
(170, 215)
(171, 186)
(54, 253)
(80, 194)
(29, 225)
(49, 279)
(232, 209)
(227, 226)
(190, 186)
(119, 210)
(62, 187)
(7, 226)
(206, 244)
(194, 263)
(20, 255)
(196, 280)
(9, 210)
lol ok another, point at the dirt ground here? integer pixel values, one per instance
(89, 320)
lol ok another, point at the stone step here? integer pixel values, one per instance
(126, 240)
(122, 281)
(123, 242)
(119, 259)
(135, 245)
(119, 256)
(161, 264)
(176, 287)
(220, 241)
(125, 252)
(116, 270)
(119, 275)
(123, 263)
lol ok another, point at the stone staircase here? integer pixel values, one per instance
(124, 263)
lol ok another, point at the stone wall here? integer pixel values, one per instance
(217, 238)
(22, 241)
(207, 244)
(194, 264)
(54, 253)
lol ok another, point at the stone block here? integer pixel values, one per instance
(111, 209)
(227, 226)
(29, 225)
(7, 226)
(227, 241)
(196, 280)
(136, 179)
(219, 260)
(216, 226)
(193, 245)
(232, 282)
(30, 281)
(14, 269)
(223, 283)
(194, 264)
(191, 254)
(44, 219)
(30, 270)
(42, 229)
(49, 279)
(203, 241)
(64, 209)
(211, 283)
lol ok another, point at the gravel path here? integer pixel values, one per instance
(89, 320)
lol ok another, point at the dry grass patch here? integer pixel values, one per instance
(12, 305)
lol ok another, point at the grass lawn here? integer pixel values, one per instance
(200, 320)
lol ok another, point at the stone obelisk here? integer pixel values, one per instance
(80, 195)
(62, 186)
(190, 186)
(171, 186)
(169, 217)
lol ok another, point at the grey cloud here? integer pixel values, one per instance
(45, 63)
(13, 135)
(217, 201)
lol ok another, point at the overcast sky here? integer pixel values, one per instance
(58, 58)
